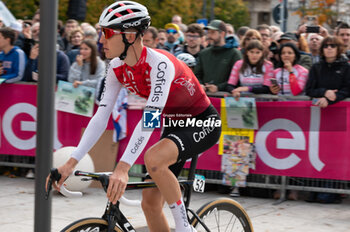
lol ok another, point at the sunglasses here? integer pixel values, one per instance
(192, 36)
(329, 45)
(173, 31)
(108, 33)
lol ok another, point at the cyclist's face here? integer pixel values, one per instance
(112, 47)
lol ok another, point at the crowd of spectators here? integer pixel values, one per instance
(260, 60)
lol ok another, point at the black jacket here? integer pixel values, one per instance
(325, 76)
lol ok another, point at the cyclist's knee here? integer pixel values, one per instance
(151, 160)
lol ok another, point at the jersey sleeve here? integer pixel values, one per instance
(99, 121)
(162, 75)
(297, 83)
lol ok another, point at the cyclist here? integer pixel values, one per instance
(170, 88)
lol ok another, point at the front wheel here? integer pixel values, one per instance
(222, 214)
(89, 224)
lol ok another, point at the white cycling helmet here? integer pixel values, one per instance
(125, 14)
(188, 59)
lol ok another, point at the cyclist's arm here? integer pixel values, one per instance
(99, 121)
(160, 87)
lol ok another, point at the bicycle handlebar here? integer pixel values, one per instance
(103, 177)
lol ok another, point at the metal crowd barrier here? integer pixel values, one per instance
(282, 183)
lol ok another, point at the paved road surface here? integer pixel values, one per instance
(17, 210)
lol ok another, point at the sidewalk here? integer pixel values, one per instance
(17, 210)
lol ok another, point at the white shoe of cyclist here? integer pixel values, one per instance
(193, 229)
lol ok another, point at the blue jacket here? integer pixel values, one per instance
(14, 63)
(62, 68)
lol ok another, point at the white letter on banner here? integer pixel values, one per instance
(296, 143)
(314, 133)
(16, 142)
(9, 115)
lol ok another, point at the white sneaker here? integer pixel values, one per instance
(30, 174)
(193, 229)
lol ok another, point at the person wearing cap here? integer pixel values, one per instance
(305, 58)
(172, 44)
(215, 62)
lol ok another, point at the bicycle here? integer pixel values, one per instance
(222, 214)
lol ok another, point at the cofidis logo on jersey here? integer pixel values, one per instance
(151, 119)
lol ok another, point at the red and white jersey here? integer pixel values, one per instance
(164, 80)
(167, 84)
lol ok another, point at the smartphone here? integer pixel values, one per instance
(312, 29)
(273, 81)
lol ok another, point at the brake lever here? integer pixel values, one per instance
(54, 176)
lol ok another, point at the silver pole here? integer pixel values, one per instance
(45, 113)
(283, 20)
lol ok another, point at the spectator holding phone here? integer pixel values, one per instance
(88, 67)
(329, 79)
(252, 73)
(291, 77)
(31, 70)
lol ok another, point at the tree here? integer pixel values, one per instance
(22, 9)
(320, 8)
(161, 11)
(234, 12)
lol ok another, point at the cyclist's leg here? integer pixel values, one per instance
(152, 206)
(157, 160)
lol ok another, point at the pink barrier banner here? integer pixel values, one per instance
(297, 139)
(18, 110)
(293, 139)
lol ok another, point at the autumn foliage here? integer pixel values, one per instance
(320, 8)
(161, 11)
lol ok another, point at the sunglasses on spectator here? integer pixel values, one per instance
(329, 45)
(192, 36)
(108, 33)
(173, 31)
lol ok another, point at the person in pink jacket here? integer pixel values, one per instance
(291, 77)
(252, 73)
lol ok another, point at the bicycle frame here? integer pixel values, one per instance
(113, 214)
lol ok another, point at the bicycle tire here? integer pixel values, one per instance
(222, 214)
(89, 224)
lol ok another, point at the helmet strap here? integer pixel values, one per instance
(127, 45)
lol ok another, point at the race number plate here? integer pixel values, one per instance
(199, 183)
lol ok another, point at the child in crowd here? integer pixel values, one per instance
(253, 73)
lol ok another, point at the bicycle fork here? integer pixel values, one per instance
(195, 216)
(115, 217)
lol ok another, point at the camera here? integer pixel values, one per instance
(312, 29)
(273, 47)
